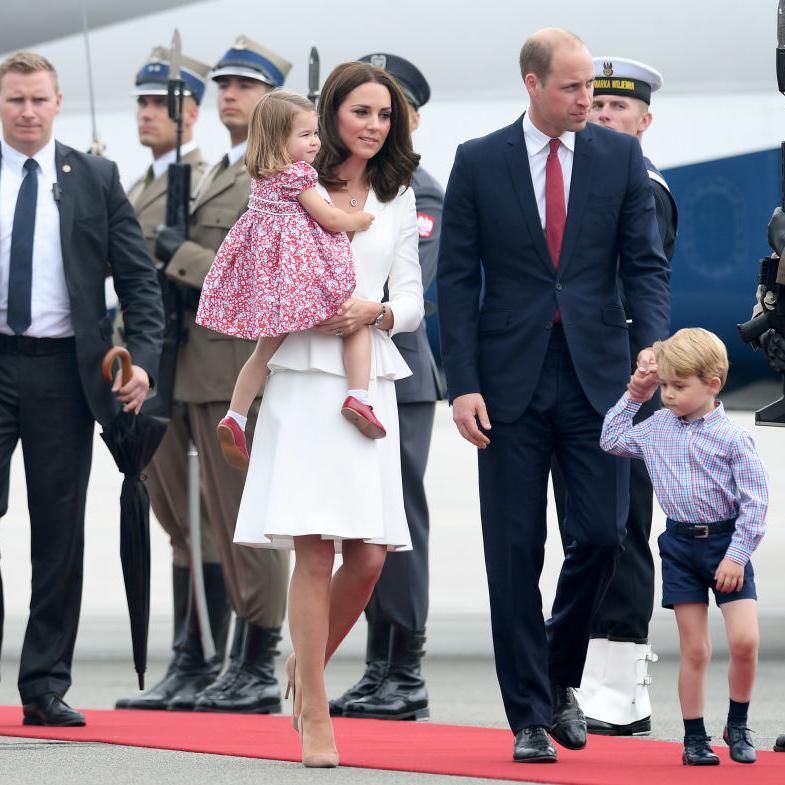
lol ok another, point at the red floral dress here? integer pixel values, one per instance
(278, 270)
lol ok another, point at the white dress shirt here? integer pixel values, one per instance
(538, 147)
(161, 165)
(237, 152)
(50, 307)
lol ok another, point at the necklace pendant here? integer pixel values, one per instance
(353, 202)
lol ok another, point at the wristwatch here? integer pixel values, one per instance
(379, 320)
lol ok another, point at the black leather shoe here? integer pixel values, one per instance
(569, 724)
(697, 752)
(737, 736)
(779, 745)
(401, 696)
(190, 689)
(240, 691)
(176, 681)
(601, 728)
(51, 710)
(533, 745)
(370, 682)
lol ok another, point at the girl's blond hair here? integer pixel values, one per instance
(693, 351)
(269, 129)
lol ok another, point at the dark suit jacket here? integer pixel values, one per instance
(492, 235)
(99, 232)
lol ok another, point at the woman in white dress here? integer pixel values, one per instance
(315, 483)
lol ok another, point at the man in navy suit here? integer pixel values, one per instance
(542, 213)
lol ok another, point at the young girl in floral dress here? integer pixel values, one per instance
(285, 266)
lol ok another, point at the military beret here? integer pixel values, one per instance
(153, 76)
(252, 60)
(408, 76)
(621, 76)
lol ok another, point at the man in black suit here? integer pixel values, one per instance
(64, 223)
(538, 218)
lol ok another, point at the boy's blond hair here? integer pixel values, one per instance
(693, 351)
(271, 123)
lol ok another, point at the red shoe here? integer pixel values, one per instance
(232, 440)
(361, 415)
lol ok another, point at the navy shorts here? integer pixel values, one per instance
(688, 567)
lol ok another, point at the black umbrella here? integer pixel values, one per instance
(132, 439)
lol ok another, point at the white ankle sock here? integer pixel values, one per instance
(360, 395)
(238, 418)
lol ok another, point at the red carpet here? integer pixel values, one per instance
(417, 747)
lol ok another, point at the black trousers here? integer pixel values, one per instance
(42, 404)
(625, 611)
(401, 594)
(513, 473)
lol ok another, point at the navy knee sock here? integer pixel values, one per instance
(737, 712)
(694, 727)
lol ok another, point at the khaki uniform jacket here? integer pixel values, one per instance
(208, 362)
(150, 203)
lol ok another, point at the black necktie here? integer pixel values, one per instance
(20, 273)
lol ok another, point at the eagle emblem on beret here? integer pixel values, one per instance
(607, 68)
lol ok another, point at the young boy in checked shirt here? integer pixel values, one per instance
(711, 483)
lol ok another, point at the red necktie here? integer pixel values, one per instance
(555, 209)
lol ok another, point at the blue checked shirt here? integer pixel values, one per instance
(703, 471)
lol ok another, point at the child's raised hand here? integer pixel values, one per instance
(644, 381)
(729, 576)
(364, 220)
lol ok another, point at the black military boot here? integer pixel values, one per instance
(156, 696)
(226, 680)
(199, 671)
(402, 694)
(377, 652)
(253, 688)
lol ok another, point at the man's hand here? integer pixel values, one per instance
(729, 576)
(466, 411)
(773, 344)
(132, 395)
(644, 381)
(167, 240)
(777, 231)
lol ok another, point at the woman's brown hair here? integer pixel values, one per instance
(393, 166)
(271, 123)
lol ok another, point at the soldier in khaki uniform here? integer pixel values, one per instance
(148, 198)
(207, 366)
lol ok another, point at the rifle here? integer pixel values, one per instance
(771, 273)
(313, 75)
(178, 196)
(97, 147)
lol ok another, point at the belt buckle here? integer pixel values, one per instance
(704, 531)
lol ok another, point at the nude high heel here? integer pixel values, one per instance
(291, 669)
(326, 759)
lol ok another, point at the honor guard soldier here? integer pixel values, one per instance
(614, 693)
(207, 365)
(392, 687)
(148, 197)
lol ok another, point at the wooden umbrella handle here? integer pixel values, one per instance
(115, 353)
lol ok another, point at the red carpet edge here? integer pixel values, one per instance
(426, 748)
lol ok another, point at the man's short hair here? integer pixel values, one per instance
(27, 63)
(693, 351)
(537, 54)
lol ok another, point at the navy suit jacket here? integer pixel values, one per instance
(493, 245)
